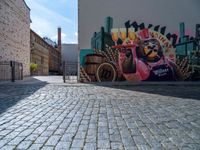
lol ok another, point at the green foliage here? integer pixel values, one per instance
(33, 67)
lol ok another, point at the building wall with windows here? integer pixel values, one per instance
(15, 33)
(39, 54)
(54, 60)
(55, 55)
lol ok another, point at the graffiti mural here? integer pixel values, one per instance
(134, 53)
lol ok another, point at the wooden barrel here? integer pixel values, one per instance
(92, 62)
(106, 72)
(94, 59)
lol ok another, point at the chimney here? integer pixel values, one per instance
(59, 39)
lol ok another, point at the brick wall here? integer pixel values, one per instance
(39, 54)
(15, 32)
(54, 59)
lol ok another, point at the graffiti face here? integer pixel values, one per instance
(151, 48)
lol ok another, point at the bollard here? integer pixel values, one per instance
(12, 64)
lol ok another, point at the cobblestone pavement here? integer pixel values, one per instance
(93, 117)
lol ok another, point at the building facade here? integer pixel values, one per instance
(55, 56)
(115, 44)
(54, 60)
(39, 54)
(69, 54)
(15, 33)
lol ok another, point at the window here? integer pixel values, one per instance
(42, 60)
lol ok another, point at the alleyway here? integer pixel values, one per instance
(89, 117)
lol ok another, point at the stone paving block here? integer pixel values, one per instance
(39, 130)
(103, 136)
(5, 132)
(128, 142)
(83, 127)
(67, 137)
(41, 140)
(91, 139)
(8, 147)
(117, 146)
(63, 146)
(4, 142)
(90, 146)
(75, 148)
(53, 140)
(32, 137)
(103, 144)
(24, 145)
(47, 133)
(35, 147)
(59, 131)
(47, 148)
(143, 147)
(21, 128)
(77, 143)
(11, 135)
(16, 140)
(26, 132)
(80, 135)
(140, 140)
(131, 148)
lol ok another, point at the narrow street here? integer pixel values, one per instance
(44, 115)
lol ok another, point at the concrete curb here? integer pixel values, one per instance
(148, 84)
(35, 81)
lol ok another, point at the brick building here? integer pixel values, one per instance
(39, 54)
(15, 33)
(55, 55)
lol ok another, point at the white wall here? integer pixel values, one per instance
(157, 12)
(69, 52)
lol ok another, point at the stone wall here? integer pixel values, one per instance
(15, 33)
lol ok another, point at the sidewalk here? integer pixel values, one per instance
(72, 80)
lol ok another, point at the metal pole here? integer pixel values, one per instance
(21, 71)
(12, 71)
(64, 71)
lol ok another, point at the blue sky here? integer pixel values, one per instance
(48, 15)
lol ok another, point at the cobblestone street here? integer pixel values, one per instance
(89, 117)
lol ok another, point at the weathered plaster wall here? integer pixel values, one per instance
(15, 33)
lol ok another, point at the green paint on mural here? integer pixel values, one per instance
(83, 53)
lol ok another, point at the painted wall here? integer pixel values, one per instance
(158, 12)
(161, 18)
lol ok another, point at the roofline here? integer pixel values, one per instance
(70, 44)
(26, 4)
(43, 40)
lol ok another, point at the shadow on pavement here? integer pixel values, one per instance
(12, 93)
(186, 91)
